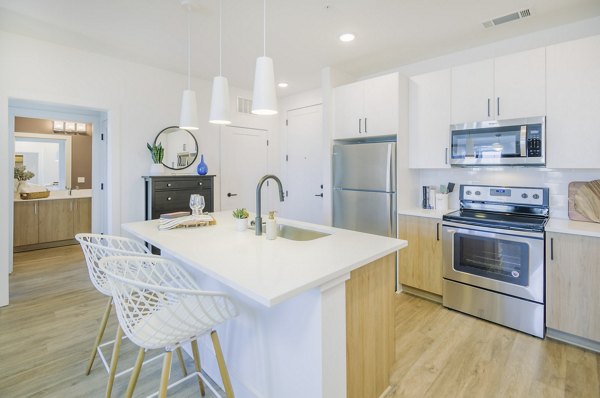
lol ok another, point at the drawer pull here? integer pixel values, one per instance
(169, 184)
(200, 183)
(169, 198)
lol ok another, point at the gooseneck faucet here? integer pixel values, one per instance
(258, 219)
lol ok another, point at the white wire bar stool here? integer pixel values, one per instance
(95, 247)
(159, 305)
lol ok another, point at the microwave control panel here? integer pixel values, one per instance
(534, 142)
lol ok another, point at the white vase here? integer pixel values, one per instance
(241, 224)
(157, 169)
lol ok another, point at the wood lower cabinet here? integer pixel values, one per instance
(572, 284)
(420, 264)
(25, 223)
(82, 220)
(48, 223)
(55, 220)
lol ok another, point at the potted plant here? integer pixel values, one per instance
(241, 219)
(21, 176)
(158, 153)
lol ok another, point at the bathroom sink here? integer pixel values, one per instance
(295, 233)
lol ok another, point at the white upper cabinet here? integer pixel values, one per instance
(573, 117)
(429, 120)
(509, 87)
(520, 84)
(367, 108)
(473, 92)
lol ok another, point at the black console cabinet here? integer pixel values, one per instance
(167, 194)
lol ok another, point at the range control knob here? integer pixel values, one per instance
(536, 196)
(468, 192)
(477, 193)
(524, 196)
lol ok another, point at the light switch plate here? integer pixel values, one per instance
(80, 179)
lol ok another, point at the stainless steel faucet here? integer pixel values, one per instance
(258, 219)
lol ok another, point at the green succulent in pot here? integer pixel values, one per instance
(241, 213)
(157, 152)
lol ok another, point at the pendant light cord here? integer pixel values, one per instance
(220, 37)
(189, 51)
(265, 28)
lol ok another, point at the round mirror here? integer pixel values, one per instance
(181, 147)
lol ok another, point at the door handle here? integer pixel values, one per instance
(446, 156)
(552, 249)
(489, 100)
(359, 126)
(437, 231)
(321, 194)
(498, 106)
(365, 125)
(229, 194)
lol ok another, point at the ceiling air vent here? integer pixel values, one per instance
(507, 18)
(244, 105)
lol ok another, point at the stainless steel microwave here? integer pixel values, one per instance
(515, 142)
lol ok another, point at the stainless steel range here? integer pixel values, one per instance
(493, 253)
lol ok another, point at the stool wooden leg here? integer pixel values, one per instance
(197, 364)
(222, 366)
(136, 373)
(164, 377)
(181, 361)
(113, 361)
(99, 336)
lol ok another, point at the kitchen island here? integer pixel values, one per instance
(316, 317)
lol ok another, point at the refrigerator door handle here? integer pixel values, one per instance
(389, 172)
(391, 219)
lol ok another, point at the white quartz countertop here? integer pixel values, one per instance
(419, 212)
(267, 271)
(57, 195)
(566, 226)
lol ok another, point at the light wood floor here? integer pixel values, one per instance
(47, 331)
(443, 353)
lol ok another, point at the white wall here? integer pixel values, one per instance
(140, 101)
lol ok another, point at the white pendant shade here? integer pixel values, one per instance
(189, 111)
(219, 106)
(264, 100)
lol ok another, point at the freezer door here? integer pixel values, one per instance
(368, 167)
(370, 212)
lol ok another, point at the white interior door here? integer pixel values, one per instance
(243, 162)
(304, 165)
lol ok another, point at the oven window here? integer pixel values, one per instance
(498, 259)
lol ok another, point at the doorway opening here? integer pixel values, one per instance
(60, 150)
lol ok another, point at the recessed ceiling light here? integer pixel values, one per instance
(283, 84)
(346, 37)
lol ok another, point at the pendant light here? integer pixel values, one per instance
(219, 105)
(189, 108)
(264, 100)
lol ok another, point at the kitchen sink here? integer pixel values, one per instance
(295, 233)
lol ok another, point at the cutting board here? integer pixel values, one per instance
(584, 201)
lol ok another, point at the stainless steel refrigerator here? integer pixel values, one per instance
(364, 187)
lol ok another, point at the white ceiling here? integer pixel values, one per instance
(302, 35)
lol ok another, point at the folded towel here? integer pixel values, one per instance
(187, 221)
(26, 187)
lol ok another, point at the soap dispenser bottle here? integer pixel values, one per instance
(271, 226)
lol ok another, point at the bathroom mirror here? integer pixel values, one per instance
(181, 147)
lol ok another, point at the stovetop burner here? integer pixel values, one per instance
(516, 208)
(498, 220)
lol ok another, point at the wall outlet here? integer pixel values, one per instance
(80, 179)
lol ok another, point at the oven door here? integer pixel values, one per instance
(509, 262)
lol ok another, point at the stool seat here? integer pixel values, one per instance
(159, 304)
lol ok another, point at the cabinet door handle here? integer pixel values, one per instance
(489, 100)
(498, 106)
(200, 184)
(437, 231)
(365, 125)
(321, 194)
(552, 249)
(359, 126)
(169, 184)
(71, 205)
(169, 198)
(446, 156)
(35, 205)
